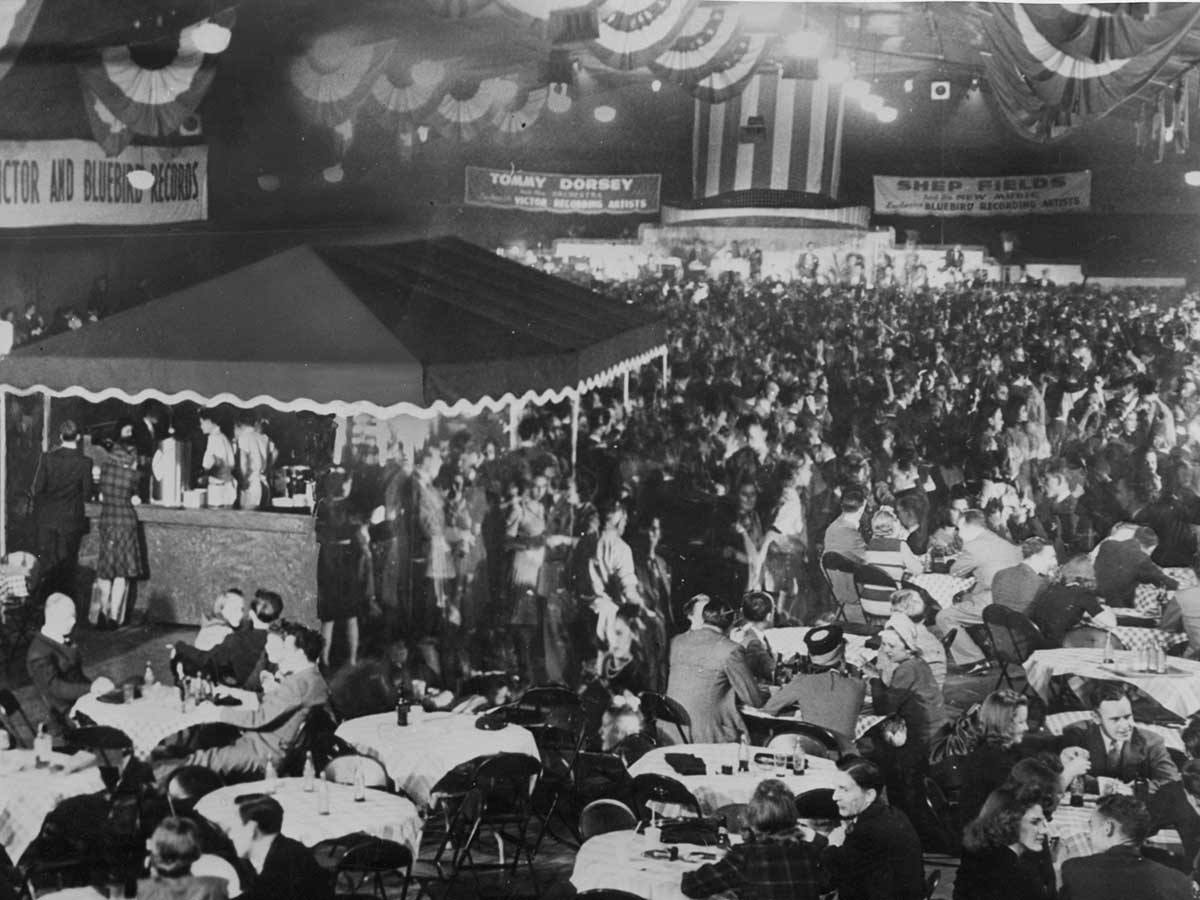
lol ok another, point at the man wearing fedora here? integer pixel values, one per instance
(829, 692)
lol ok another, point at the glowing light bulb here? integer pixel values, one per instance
(1192, 178)
(887, 114)
(334, 173)
(268, 183)
(656, 85)
(141, 179)
(604, 114)
(210, 38)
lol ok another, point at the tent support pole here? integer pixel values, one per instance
(625, 388)
(574, 430)
(3, 474)
(45, 423)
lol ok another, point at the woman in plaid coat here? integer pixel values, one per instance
(120, 549)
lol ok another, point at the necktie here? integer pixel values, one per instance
(1114, 758)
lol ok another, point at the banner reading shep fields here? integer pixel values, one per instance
(557, 193)
(1016, 195)
(44, 183)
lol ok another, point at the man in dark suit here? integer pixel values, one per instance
(1122, 565)
(284, 869)
(61, 486)
(238, 660)
(1117, 870)
(1018, 586)
(1116, 747)
(55, 665)
(709, 674)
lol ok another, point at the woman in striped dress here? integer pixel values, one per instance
(120, 548)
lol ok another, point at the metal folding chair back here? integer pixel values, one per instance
(1014, 638)
(370, 862)
(658, 708)
(661, 789)
(603, 816)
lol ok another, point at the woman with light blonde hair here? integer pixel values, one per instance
(888, 550)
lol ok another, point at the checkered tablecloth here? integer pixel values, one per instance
(1179, 694)
(29, 794)
(941, 587)
(381, 814)
(156, 715)
(1148, 598)
(617, 861)
(417, 755)
(790, 641)
(1070, 825)
(715, 790)
(1133, 637)
(1056, 722)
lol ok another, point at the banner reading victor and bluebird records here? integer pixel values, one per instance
(1017, 195)
(558, 193)
(44, 183)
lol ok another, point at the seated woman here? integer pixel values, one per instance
(1175, 805)
(1003, 720)
(774, 863)
(174, 846)
(226, 614)
(909, 604)
(1003, 854)
(887, 549)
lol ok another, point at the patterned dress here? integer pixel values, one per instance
(120, 548)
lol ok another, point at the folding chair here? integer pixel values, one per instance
(815, 740)
(633, 747)
(604, 815)
(607, 894)
(945, 817)
(931, 883)
(840, 582)
(101, 740)
(875, 588)
(663, 790)
(658, 708)
(370, 862)
(1014, 639)
(319, 722)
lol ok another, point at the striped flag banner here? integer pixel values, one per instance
(797, 147)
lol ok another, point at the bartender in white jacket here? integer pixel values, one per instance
(218, 463)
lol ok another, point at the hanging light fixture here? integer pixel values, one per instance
(604, 114)
(558, 100)
(334, 174)
(140, 178)
(887, 114)
(268, 183)
(656, 85)
(1192, 178)
(210, 38)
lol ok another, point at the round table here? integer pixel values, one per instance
(1178, 691)
(381, 814)
(156, 715)
(616, 861)
(29, 794)
(715, 790)
(789, 642)
(1070, 825)
(417, 755)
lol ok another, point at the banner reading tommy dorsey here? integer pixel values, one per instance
(559, 193)
(44, 183)
(1008, 195)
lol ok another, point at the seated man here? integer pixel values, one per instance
(55, 665)
(1059, 610)
(1122, 565)
(1017, 587)
(284, 869)
(237, 660)
(1117, 748)
(757, 611)
(829, 695)
(1117, 870)
(270, 730)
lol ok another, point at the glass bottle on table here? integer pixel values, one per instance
(743, 754)
(310, 773)
(1108, 648)
(148, 676)
(271, 776)
(43, 746)
(323, 796)
(360, 785)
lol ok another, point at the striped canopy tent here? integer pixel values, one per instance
(423, 328)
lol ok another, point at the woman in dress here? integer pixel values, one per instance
(1004, 847)
(341, 587)
(120, 557)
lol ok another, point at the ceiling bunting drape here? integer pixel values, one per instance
(1055, 67)
(634, 32)
(16, 21)
(400, 104)
(335, 75)
(735, 68)
(697, 50)
(456, 9)
(462, 113)
(513, 124)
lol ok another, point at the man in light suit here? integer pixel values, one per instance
(269, 731)
(1018, 586)
(984, 554)
(709, 675)
(1116, 747)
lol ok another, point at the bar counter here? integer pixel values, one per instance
(194, 554)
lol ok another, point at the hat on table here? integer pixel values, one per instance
(825, 644)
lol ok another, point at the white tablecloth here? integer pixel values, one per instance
(790, 641)
(616, 861)
(157, 714)
(384, 815)
(1070, 825)
(715, 790)
(416, 756)
(1058, 721)
(28, 794)
(1179, 694)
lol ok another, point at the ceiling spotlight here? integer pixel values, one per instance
(909, 85)
(334, 173)
(268, 183)
(1192, 178)
(604, 114)
(887, 114)
(140, 179)
(427, 72)
(559, 101)
(656, 85)
(836, 70)
(871, 103)
(975, 82)
(422, 133)
(855, 89)
(211, 38)
(805, 44)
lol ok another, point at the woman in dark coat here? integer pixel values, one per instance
(341, 557)
(1004, 850)
(120, 556)
(1176, 805)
